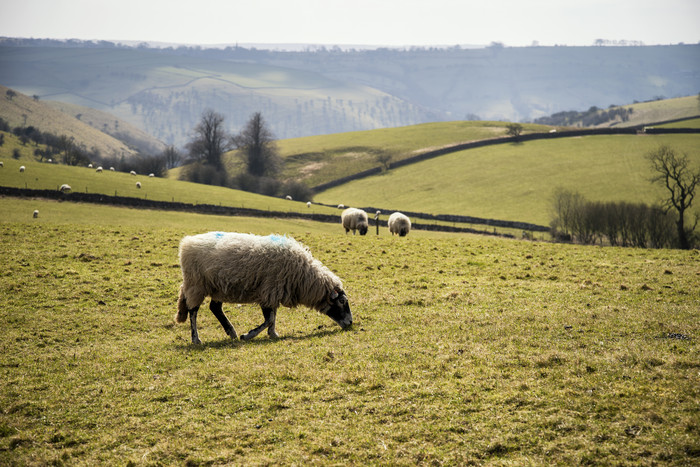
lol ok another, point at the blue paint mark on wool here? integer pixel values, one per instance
(218, 235)
(280, 240)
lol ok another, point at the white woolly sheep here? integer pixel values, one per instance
(111, 169)
(132, 173)
(138, 184)
(2, 164)
(308, 204)
(354, 219)
(99, 169)
(36, 214)
(288, 198)
(399, 224)
(21, 168)
(64, 188)
(245, 268)
(89, 166)
(151, 175)
(341, 206)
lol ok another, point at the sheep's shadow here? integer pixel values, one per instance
(258, 341)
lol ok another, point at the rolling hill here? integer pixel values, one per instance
(22, 110)
(164, 91)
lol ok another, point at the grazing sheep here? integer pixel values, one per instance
(341, 206)
(308, 204)
(399, 224)
(138, 184)
(2, 164)
(99, 169)
(111, 169)
(65, 188)
(36, 213)
(354, 219)
(151, 175)
(288, 198)
(89, 166)
(132, 172)
(245, 268)
(21, 168)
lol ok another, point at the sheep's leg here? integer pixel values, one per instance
(215, 308)
(270, 314)
(193, 325)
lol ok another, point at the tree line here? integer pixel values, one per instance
(591, 117)
(63, 149)
(665, 225)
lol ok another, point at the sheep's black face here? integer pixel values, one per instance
(363, 229)
(403, 231)
(339, 310)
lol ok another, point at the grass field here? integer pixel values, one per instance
(516, 181)
(465, 350)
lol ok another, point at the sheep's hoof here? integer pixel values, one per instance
(273, 335)
(246, 337)
(196, 342)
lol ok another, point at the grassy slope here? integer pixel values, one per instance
(319, 159)
(466, 350)
(46, 118)
(516, 181)
(661, 110)
(52, 176)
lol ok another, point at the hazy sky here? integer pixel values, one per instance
(358, 22)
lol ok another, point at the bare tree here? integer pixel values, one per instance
(672, 171)
(210, 141)
(258, 148)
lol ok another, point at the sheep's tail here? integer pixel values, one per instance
(182, 312)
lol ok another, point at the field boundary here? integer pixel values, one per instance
(635, 130)
(138, 203)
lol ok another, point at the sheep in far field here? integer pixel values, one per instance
(399, 224)
(138, 184)
(132, 173)
(89, 166)
(288, 198)
(21, 168)
(151, 175)
(308, 204)
(245, 268)
(111, 169)
(354, 219)
(36, 214)
(341, 206)
(2, 164)
(65, 188)
(99, 169)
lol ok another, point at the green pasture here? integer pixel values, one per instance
(663, 110)
(466, 350)
(516, 181)
(85, 180)
(319, 159)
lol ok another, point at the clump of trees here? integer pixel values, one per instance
(615, 223)
(635, 224)
(591, 117)
(256, 148)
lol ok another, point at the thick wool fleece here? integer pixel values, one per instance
(243, 268)
(398, 221)
(353, 219)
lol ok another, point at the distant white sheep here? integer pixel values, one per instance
(399, 224)
(288, 198)
(111, 169)
(89, 166)
(138, 184)
(341, 206)
(244, 268)
(308, 204)
(2, 164)
(99, 169)
(132, 172)
(21, 168)
(354, 219)
(65, 188)
(151, 175)
(36, 214)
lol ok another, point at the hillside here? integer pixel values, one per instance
(516, 181)
(164, 91)
(22, 110)
(105, 122)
